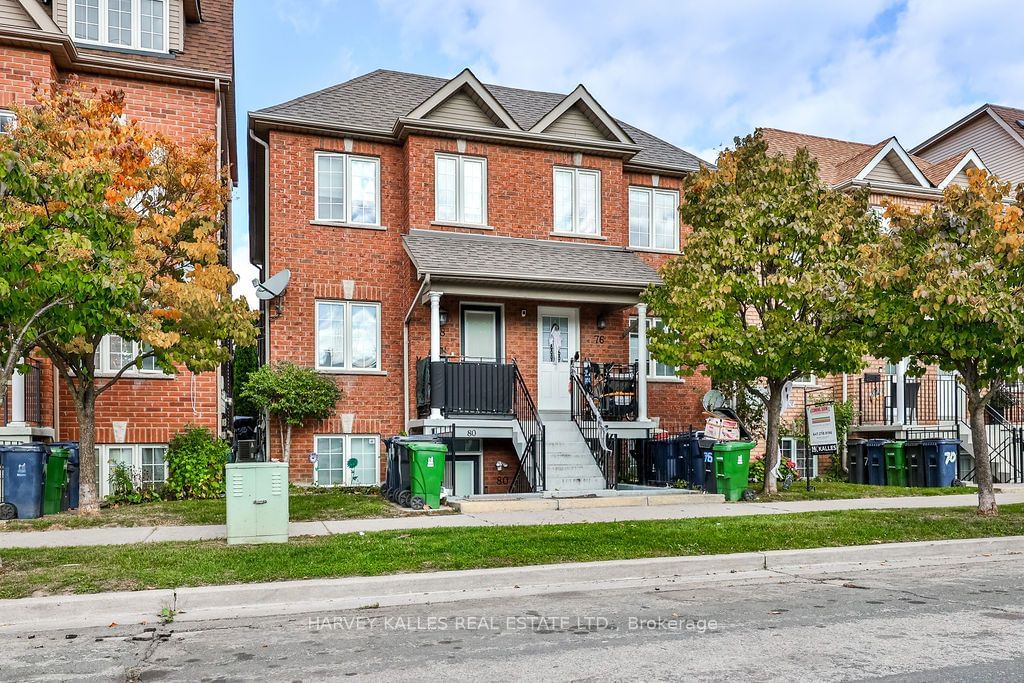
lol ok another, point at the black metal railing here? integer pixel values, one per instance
(588, 419)
(532, 463)
(460, 386)
(929, 400)
(612, 386)
(33, 396)
(633, 461)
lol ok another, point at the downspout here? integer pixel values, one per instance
(266, 238)
(405, 347)
(222, 407)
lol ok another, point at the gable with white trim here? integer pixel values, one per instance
(1003, 155)
(571, 117)
(463, 110)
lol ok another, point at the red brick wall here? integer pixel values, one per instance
(154, 409)
(321, 258)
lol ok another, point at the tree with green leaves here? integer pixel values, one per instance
(946, 287)
(292, 394)
(760, 294)
(146, 214)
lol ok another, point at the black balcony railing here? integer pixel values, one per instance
(926, 401)
(33, 397)
(612, 386)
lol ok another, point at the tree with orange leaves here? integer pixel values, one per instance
(946, 287)
(141, 218)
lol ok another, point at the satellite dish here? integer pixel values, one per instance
(713, 400)
(273, 287)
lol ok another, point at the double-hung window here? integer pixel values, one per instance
(144, 464)
(794, 449)
(347, 188)
(460, 189)
(577, 201)
(347, 335)
(655, 368)
(653, 218)
(114, 353)
(8, 120)
(346, 460)
(130, 24)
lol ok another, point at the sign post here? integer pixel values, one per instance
(821, 436)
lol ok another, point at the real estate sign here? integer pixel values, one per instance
(821, 429)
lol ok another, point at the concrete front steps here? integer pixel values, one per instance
(596, 498)
(570, 465)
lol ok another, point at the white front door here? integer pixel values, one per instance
(558, 340)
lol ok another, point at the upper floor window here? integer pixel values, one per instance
(577, 201)
(460, 189)
(132, 24)
(655, 368)
(347, 335)
(8, 120)
(883, 221)
(114, 353)
(347, 188)
(654, 218)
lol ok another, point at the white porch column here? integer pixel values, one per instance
(901, 392)
(435, 339)
(18, 401)
(643, 362)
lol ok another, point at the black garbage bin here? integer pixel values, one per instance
(24, 466)
(917, 467)
(691, 460)
(856, 460)
(71, 493)
(707, 454)
(875, 461)
(663, 457)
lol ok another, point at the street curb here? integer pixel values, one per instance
(324, 595)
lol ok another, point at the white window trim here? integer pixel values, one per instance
(347, 198)
(347, 367)
(652, 363)
(809, 457)
(460, 218)
(12, 117)
(103, 368)
(575, 230)
(813, 382)
(347, 439)
(136, 28)
(652, 192)
(103, 485)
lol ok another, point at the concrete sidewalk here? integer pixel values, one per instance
(130, 535)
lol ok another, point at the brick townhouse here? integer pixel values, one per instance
(470, 256)
(174, 60)
(887, 401)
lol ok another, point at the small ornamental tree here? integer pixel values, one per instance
(759, 296)
(291, 394)
(946, 287)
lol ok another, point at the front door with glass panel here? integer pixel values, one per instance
(481, 333)
(558, 342)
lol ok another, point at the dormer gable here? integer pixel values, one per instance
(579, 115)
(892, 164)
(465, 101)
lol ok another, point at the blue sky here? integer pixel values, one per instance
(694, 73)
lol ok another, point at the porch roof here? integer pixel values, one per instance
(520, 262)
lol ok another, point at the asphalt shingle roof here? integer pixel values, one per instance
(540, 261)
(375, 101)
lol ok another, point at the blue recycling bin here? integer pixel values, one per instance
(707, 454)
(940, 459)
(71, 493)
(24, 466)
(664, 460)
(875, 453)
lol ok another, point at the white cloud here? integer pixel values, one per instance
(699, 74)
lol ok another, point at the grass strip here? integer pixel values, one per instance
(836, 490)
(26, 572)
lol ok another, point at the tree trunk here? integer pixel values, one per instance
(982, 464)
(287, 444)
(771, 446)
(85, 410)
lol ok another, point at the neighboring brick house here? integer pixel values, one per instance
(886, 401)
(452, 247)
(174, 60)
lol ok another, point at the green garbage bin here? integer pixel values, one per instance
(895, 464)
(732, 468)
(55, 481)
(426, 461)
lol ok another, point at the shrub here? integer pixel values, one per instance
(195, 465)
(126, 486)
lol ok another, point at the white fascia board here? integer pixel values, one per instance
(970, 158)
(39, 16)
(894, 146)
(466, 79)
(581, 96)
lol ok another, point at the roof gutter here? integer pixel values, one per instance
(282, 122)
(889, 188)
(265, 269)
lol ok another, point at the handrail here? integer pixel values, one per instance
(533, 462)
(592, 426)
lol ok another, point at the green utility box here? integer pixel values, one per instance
(257, 502)
(56, 480)
(426, 465)
(732, 468)
(895, 464)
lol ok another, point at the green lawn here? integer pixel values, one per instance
(833, 490)
(304, 505)
(25, 572)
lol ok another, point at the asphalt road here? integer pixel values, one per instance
(949, 623)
